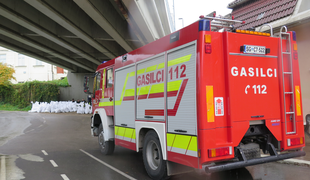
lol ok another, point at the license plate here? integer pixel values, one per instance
(249, 49)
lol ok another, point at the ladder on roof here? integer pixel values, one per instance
(288, 74)
(218, 23)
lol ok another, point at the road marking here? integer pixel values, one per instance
(64, 177)
(109, 166)
(3, 170)
(53, 163)
(44, 152)
(29, 130)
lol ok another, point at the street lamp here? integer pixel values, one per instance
(182, 22)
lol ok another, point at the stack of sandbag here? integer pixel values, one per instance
(35, 107)
(61, 107)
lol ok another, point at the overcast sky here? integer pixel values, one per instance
(190, 10)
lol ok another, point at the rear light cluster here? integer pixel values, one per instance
(218, 152)
(295, 141)
(208, 48)
(295, 55)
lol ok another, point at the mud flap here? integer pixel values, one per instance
(307, 127)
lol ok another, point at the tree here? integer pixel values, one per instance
(6, 74)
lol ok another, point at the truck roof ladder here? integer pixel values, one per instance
(218, 23)
(289, 73)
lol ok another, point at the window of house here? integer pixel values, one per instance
(21, 60)
(38, 63)
(3, 58)
(109, 79)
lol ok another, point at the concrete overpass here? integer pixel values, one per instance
(78, 35)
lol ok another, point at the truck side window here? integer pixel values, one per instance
(97, 82)
(109, 79)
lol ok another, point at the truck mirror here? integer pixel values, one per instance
(307, 127)
(86, 85)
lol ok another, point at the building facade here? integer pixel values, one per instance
(30, 69)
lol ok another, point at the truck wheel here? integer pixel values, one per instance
(106, 147)
(153, 161)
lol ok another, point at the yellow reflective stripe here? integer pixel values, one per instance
(140, 71)
(174, 86)
(179, 60)
(116, 130)
(103, 82)
(119, 102)
(193, 144)
(170, 139)
(138, 91)
(210, 103)
(144, 90)
(106, 103)
(132, 74)
(161, 65)
(121, 131)
(151, 68)
(134, 134)
(181, 141)
(128, 133)
(129, 92)
(157, 88)
(298, 106)
(125, 132)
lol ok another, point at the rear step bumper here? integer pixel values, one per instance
(245, 162)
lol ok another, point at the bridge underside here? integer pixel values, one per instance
(78, 35)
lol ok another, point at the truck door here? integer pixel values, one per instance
(97, 90)
(108, 86)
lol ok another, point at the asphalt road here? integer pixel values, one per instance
(36, 146)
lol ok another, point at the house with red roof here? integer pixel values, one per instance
(295, 15)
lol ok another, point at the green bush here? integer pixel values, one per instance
(21, 95)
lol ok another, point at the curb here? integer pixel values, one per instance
(296, 162)
(292, 161)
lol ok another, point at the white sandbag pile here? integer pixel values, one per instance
(61, 107)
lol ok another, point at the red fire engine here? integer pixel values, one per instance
(202, 97)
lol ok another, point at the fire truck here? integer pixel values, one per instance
(208, 96)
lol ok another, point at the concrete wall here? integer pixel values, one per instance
(76, 90)
(303, 43)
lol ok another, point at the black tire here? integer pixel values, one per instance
(106, 147)
(153, 161)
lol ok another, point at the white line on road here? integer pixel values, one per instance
(109, 166)
(64, 177)
(53, 163)
(3, 169)
(44, 152)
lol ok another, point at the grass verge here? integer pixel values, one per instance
(9, 107)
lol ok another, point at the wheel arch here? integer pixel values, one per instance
(100, 117)
(143, 127)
